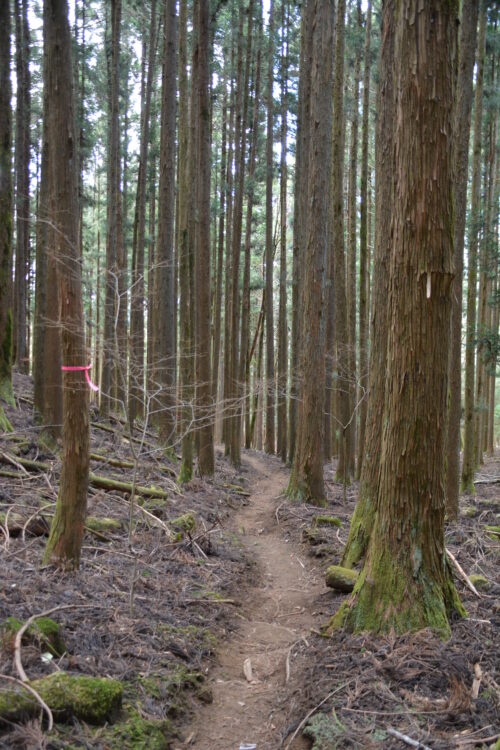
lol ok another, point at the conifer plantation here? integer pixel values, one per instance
(249, 348)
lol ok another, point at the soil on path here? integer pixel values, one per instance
(277, 612)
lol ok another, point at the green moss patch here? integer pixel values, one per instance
(493, 532)
(183, 525)
(480, 582)
(137, 733)
(190, 638)
(341, 579)
(326, 732)
(102, 524)
(94, 700)
(326, 521)
(43, 631)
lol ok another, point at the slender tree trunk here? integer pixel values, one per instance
(6, 394)
(136, 357)
(469, 463)
(343, 415)
(300, 216)
(245, 353)
(239, 157)
(363, 247)
(406, 583)
(351, 261)
(23, 113)
(270, 384)
(282, 316)
(362, 520)
(204, 401)
(64, 543)
(306, 480)
(163, 311)
(461, 127)
(495, 316)
(220, 252)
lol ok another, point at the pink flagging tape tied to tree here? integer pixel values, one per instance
(85, 369)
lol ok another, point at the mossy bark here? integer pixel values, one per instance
(405, 583)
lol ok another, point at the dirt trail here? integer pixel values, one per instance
(276, 613)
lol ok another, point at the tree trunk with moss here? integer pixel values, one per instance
(5, 215)
(306, 480)
(406, 583)
(65, 540)
(362, 520)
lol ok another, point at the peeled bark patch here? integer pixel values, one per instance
(94, 700)
(341, 579)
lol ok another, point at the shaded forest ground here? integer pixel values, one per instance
(175, 613)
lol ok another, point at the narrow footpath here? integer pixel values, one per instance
(250, 683)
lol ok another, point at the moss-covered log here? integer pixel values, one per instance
(341, 579)
(94, 700)
(43, 630)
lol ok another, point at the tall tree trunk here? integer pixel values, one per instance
(112, 299)
(204, 402)
(220, 251)
(6, 394)
(66, 533)
(186, 145)
(136, 357)
(306, 480)
(23, 112)
(461, 130)
(239, 157)
(282, 315)
(469, 462)
(351, 260)
(362, 520)
(406, 583)
(300, 216)
(363, 247)
(47, 374)
(163, 310)
(495, 313)
(270, 384)
(343, 415)
(245, 354)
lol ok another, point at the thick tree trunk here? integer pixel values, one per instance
(163, 310)
(64, 543)
(306, 480)
(362, 520)
(406, 583)
(461, 126)
(469, 462)
(5, 216)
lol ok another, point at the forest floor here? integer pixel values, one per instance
(206, 605)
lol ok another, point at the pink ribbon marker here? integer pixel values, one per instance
(85, 369)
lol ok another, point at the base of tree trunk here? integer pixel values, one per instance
(387, 598)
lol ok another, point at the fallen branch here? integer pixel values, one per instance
(463, 574)
(35, 696)
(407, 740)
(489, 480)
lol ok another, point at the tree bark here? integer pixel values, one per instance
(406, 583)
(64, 543)
(269, 443)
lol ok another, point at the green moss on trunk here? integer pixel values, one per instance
(44, 631)
(359, 532)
